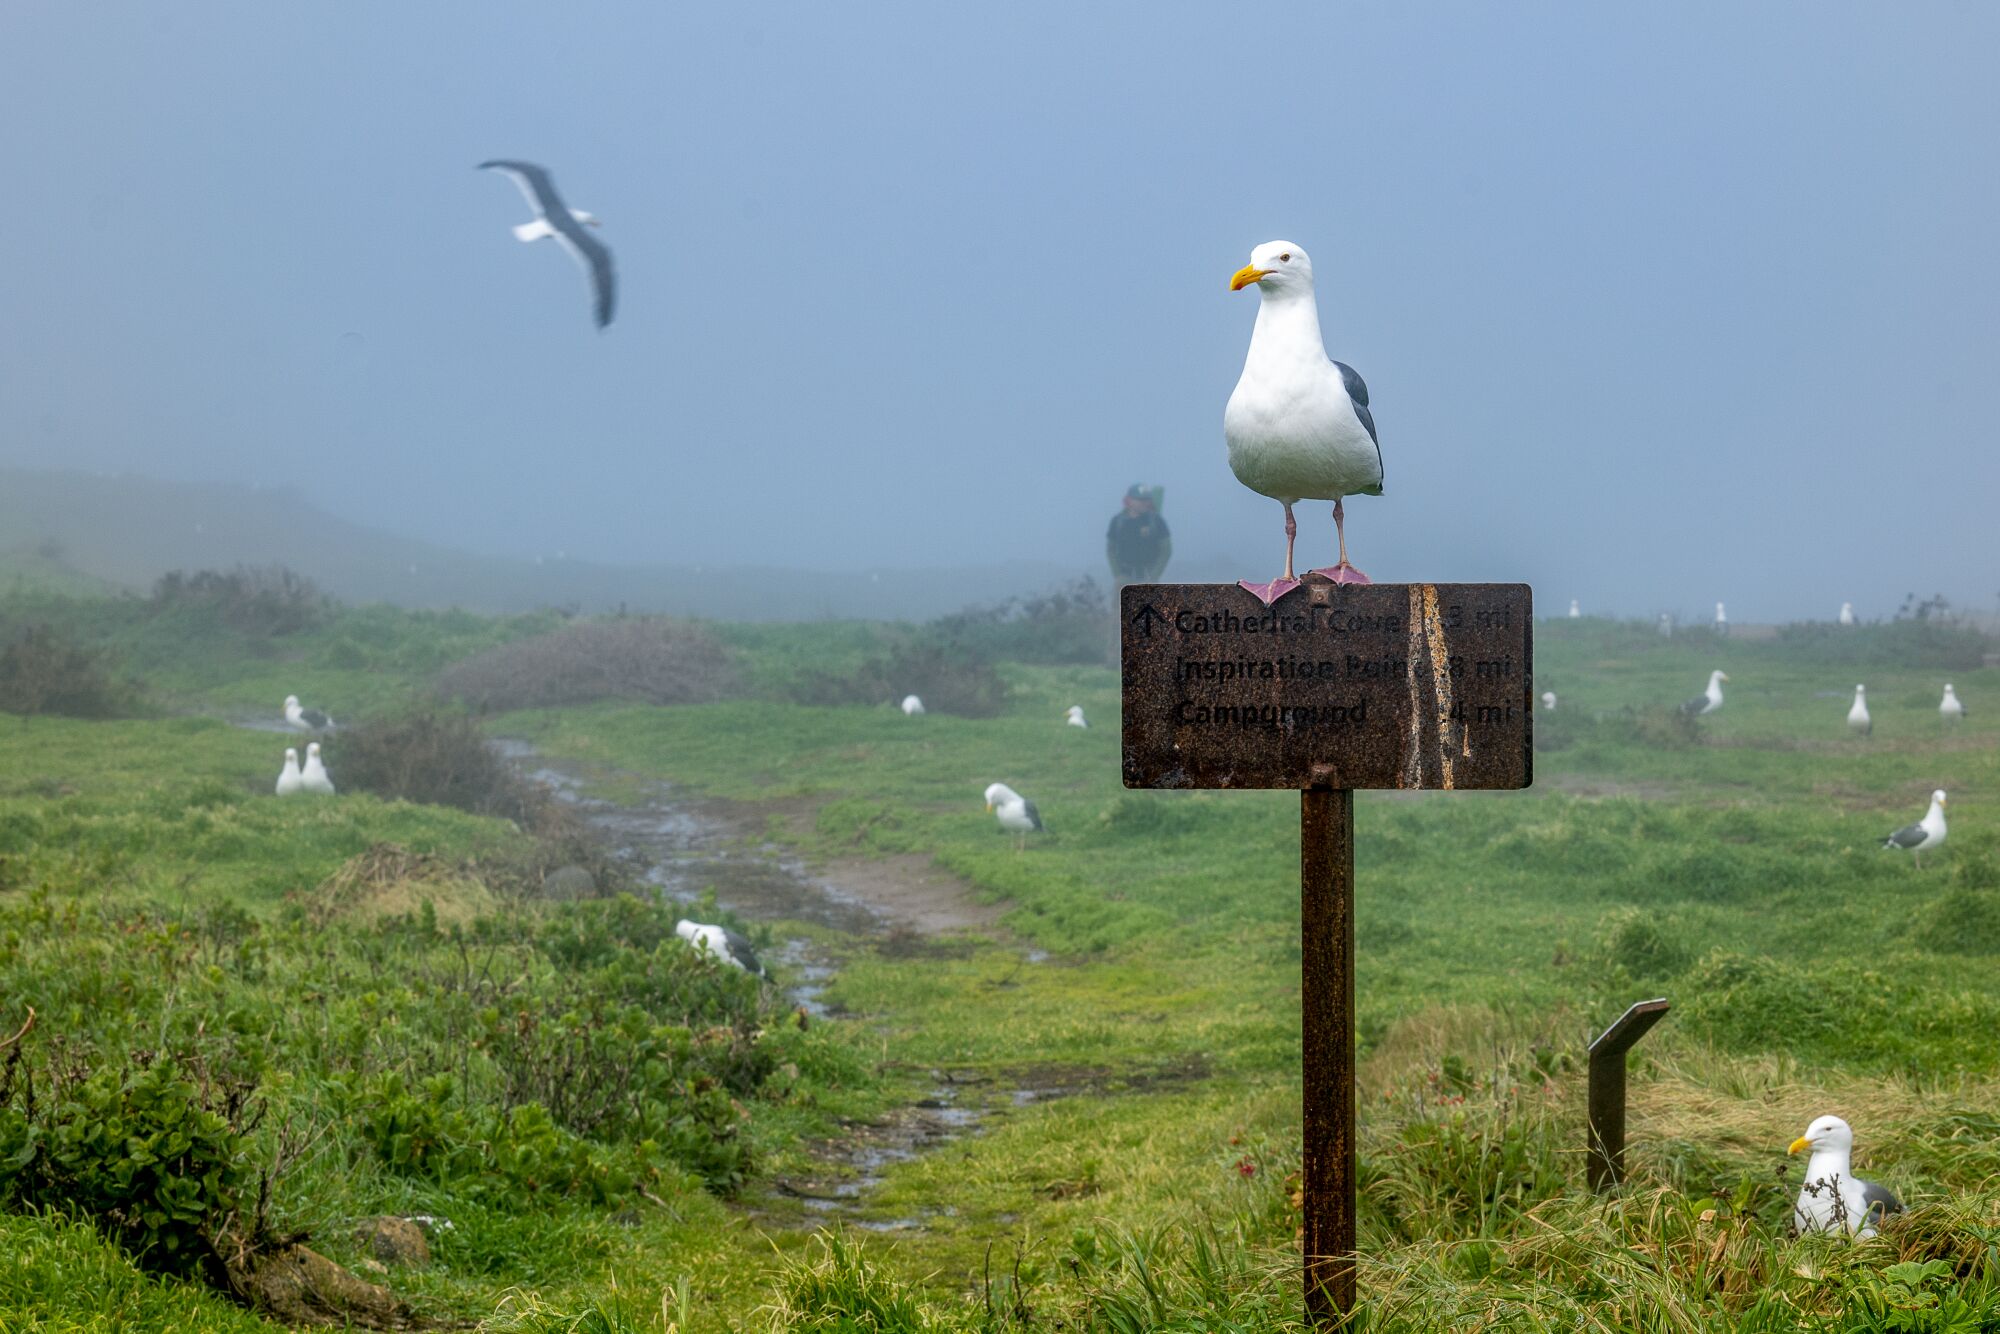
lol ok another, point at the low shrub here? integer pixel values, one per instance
(948, 678)
(648, 659)
(439, 759)
(1067, 625)
(44, 671)
(258, 600)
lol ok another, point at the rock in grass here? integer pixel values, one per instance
(394, 1241)
(569, 882)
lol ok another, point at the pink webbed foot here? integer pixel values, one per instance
(1344, 574)
(1271, 592)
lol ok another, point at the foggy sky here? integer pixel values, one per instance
(1657, 307)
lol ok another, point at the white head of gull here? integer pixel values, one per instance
(1016, 814)
(726, 945)
(1298, 424)
(315, 778)
(1927, 833)
(289, 780)
(1833, 1199)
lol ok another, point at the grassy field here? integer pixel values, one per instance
(1132, 1023)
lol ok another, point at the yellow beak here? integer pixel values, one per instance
(1800, 1144)
(1246, 275)
(989, 808)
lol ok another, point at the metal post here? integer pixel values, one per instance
(1607, 1090)
(1326, 1001)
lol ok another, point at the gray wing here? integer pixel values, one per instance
(595, 258)
(1695, 705)
(535, 184)
(1878, 1202)
(1034, 816)
(315, 718)
(1909, 836)
(739, 950)
(1357, 393)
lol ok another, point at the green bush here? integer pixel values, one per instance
(260, 601)
(1068, 625)
(44, 671)
(949, 678)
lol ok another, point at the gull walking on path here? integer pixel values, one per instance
(1016, 814)
(315, 779)
(1833, 1199)
(303, 719)
(1709, 700)
(553, 218)
(1927, 833)
(1857, 717)
(289, 779)
(1949, 708)
(1298, 424)
(726, 945)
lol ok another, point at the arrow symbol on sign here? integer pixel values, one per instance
(1144, 620)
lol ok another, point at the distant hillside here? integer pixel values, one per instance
(82, 532)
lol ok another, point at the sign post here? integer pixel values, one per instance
(1331, 689)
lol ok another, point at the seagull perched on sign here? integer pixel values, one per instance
(566, 225)
(1927, 833)
(726, 945)
(1017, 815)
(1833, 1199)
(1709, 700)
(1298, 424)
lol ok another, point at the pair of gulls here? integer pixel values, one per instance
(1949, 710)
(312, 778)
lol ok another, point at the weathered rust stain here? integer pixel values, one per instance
(1413, 754)
(1440, 661)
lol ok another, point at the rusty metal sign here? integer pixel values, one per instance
(1333, 685)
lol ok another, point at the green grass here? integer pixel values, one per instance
(1142, 1179)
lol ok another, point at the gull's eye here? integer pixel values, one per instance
(1285, 258)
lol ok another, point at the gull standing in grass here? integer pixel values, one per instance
(1721, 620)
(1575, 612)
(1298, 423)
(1857, 716)
(1549, 700)
(1847, 613)
(1709, 700)
(912, 706)
(726, 945)
(1833, 1199)
(1949, 708)
(1075, 716)
(305, 720)
(289, 780)
(1017, 815)
(315, 779)
(1927, 833)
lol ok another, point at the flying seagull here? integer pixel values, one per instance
(1857, 717)
(1298, 424)
(726, 945)
(1833, 1199)
(1927, 833)
(315, 779)
(305, 720)
(566, 225)
(289, 780)
(1075, 716)
(1949, 708)
(1709, 700)
(1016, 814)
